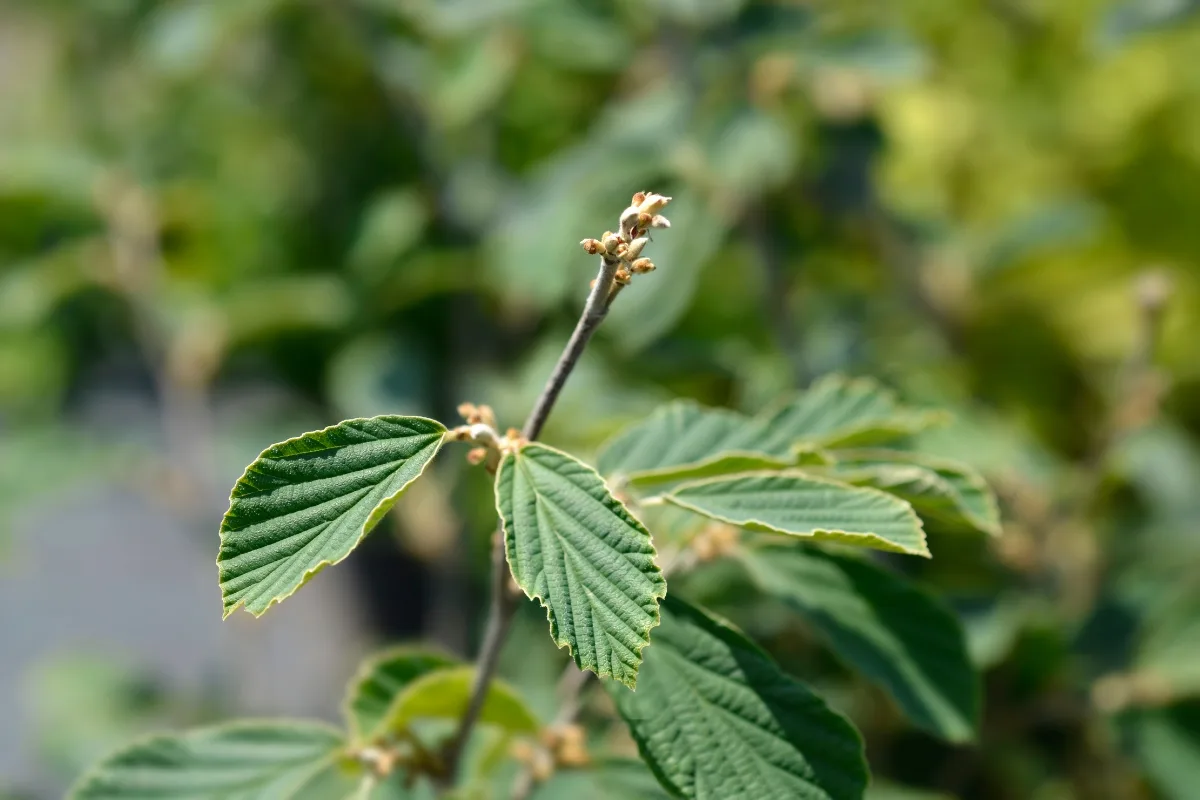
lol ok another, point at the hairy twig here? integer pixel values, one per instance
(615, 271)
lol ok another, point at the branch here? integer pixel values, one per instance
(619, 261)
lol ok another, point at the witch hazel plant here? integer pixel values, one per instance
(789, 502)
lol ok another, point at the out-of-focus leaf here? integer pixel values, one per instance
(1126, 20)
(753, 153)
(578, 551)
(380, 679)
(445, 693)
(895, 634)
(266, 307)
(1168, 747)
(392, 224)
(306, 503)
(476, 82)
(884, 54)
(238, 761)
(1056, 224)
(715, 718)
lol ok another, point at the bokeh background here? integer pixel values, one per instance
(223, 222)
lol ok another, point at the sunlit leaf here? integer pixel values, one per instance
(809, 507)
(946, 493)
(684, 439)
(895, 634)
(306, 503)
(715, 718)
(576, 549)
(445, 693)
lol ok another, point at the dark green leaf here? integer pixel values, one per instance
(895, 634)
(716, 718)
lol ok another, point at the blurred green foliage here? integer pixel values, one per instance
(373, 205)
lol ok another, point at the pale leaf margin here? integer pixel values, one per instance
(373, 519)
(839, 535)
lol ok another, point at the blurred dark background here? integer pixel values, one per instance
(223, 222)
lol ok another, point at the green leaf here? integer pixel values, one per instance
(947, 493)
(379, 680)
(306, 503)
(575, 548)
(834, 412)
(445, 693)
(803, 505)
(898, 636)
(683, 439)
(240, 761)
(1168, 746)
(716, 718)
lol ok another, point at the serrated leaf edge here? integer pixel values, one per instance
(139, 742)
(660, 593)
(367, 527)
(890, 546)
(972, 475)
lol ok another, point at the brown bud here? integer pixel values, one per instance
(642, 265)
(592, 247)
(644, 220)
(623, 276)
(467, 410)
(638, 197)
(622, 249)
(477, 456)
(611, 240)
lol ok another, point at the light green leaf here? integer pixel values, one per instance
(1168, 746)
(683, 439)
(803, 505)
(445, 693)
(378, 682)
(240, 761)
(307, 502)
(947, 493)
(716, 718)
(898, 636)
(576, 549)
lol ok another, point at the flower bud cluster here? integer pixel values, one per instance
(558, 746)
(481, 430)
(624, 247)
